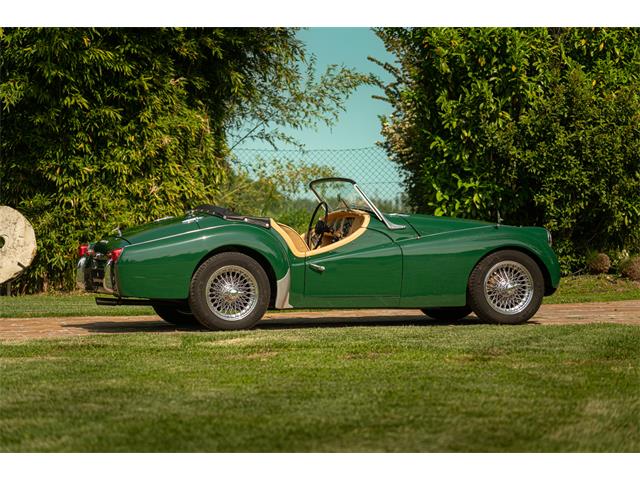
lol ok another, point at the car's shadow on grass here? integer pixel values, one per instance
(364, 321)
(134, 326)
(292, 322)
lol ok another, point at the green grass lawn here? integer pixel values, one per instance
(595, 288)
(584, 288)
(63, 305)
(391, 388)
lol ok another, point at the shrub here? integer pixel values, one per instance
(110, 127)
(598, 263)
(630, 268)
(540, 124)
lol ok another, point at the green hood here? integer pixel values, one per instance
(430, 225)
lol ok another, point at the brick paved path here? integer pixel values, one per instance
(627, 312)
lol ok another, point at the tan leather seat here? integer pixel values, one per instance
(298, 245)
(292, 238)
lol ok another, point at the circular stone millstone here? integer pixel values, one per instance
(17, 243)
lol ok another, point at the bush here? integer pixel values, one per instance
(111, 127)
(598, 263)
(542, 125)
(630, 268)
(272, 189)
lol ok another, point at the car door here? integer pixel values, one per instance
(366, 272)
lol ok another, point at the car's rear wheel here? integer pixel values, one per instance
(229, 291)
(447, 313)
(179, 315)
(506, 287)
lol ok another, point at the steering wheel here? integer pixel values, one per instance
(320, 227)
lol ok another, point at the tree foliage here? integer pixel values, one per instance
(542, 125)
(105, 128)
(274, 188)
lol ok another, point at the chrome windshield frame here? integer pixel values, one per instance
(370, 204)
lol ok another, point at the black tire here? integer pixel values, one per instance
(526, 272)
(447, 313)
(176, 315)
(255, 279)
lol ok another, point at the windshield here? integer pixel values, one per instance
(341, 193)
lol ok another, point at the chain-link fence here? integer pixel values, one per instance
(370, 167)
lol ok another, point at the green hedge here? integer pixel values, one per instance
(542, 125)
(111, 127)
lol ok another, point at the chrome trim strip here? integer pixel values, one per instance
(282, 291)
(446, 232)
(176, 235)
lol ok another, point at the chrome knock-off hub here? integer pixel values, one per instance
(232, 292)
(508, 287)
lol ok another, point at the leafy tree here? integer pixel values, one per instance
(105, 128)
(541, 124)
(273, 189)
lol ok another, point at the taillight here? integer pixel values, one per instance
(114, 255)
(83, 249)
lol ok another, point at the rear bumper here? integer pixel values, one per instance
(115, 301)
(95, 275)
(122, 301)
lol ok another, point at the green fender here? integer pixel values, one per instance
(162, 268)
(436, 268)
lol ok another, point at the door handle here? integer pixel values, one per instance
(316, 267)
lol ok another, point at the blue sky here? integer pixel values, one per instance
(359, 125)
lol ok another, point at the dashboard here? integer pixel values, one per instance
(342, 227)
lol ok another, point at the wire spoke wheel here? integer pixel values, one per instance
(508, 287)
(232, 292)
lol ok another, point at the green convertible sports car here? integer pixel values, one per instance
(224, 270)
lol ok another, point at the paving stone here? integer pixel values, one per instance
(17, 329)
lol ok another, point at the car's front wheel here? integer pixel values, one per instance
(506, 287)
(229, 291)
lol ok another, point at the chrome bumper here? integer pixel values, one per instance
(92, 278)
(109, 280)
(82, 280)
